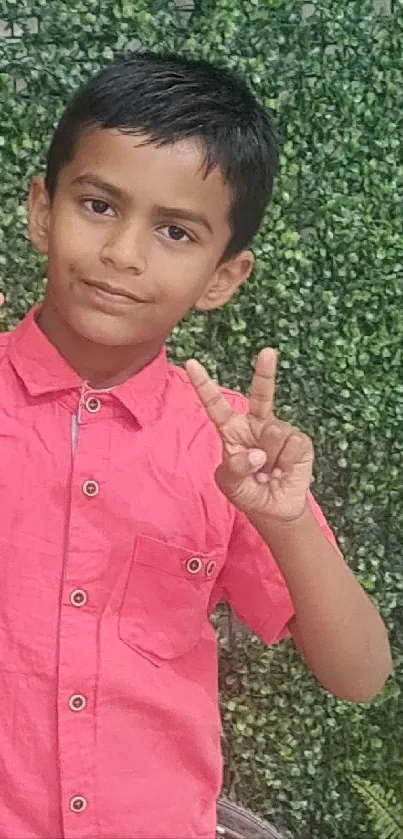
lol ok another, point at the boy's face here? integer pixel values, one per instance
(144, 223)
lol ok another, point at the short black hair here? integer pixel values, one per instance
(170, 98)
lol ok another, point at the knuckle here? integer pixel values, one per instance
(278, 428)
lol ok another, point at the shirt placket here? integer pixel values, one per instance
(80, 614)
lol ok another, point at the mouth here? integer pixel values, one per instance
(115, 294)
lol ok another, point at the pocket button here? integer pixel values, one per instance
(194, 565)
(210, 568)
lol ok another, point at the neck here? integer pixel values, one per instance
(100, 366)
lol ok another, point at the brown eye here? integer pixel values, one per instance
(175, 233)
(99, 207)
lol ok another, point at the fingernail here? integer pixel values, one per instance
(257, 457)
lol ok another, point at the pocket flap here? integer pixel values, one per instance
(165, 603)
(176, 560)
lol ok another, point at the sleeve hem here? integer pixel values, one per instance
(272, 631)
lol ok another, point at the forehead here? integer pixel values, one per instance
(169, 175)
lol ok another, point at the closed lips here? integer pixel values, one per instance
(114, 290)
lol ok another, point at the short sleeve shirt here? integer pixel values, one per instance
(115, 546)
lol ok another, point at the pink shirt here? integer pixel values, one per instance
(115, 545)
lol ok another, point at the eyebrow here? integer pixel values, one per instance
(98, 183)
(123, 195)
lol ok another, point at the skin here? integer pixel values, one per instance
(137, 232)
(119, 234)
(266, 472)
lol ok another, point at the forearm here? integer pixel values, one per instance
(337, 629)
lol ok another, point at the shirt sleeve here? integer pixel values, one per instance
(252, 583)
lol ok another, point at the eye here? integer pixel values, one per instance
(98, 207)
(175, 233)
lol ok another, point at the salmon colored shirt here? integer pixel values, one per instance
(115, 546)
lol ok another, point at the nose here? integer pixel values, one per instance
(125, 249)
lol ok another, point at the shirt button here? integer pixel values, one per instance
(78, 597)
(93, 405)
(90, 488)
(78, 803)
(77, 702)
(210, 568)
(194, 565)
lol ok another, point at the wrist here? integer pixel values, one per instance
(283, 524)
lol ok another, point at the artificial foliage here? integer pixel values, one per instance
(327, 292)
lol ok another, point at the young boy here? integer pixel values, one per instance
(134, 495)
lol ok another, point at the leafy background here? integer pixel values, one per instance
(327, 293)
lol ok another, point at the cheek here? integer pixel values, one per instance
(70, 246)
(183, 271)
(177, 291)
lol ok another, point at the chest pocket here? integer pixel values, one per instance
(165, 603)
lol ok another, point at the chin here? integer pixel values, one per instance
(104, 330)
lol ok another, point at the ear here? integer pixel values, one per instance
(38, 216)
(225, 281)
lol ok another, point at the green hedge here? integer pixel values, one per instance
(327, 292)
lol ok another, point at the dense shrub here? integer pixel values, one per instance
(327, 292)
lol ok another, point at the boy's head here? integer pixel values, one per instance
(157, 179)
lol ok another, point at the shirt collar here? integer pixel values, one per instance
(43, 371)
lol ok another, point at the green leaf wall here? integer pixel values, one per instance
(327, 292)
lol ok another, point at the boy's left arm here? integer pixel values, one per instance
(266, 473)
(338, 631)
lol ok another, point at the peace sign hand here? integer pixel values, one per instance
(267, 464)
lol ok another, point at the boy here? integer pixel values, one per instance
(135, 496)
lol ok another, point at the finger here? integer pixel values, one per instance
(273, 438)
(234, 469)
(263, 385)
(217, 407)
(245, 463)
(1, 299)
(297, 449)
(262, 478)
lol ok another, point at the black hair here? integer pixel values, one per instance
(170, 98)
